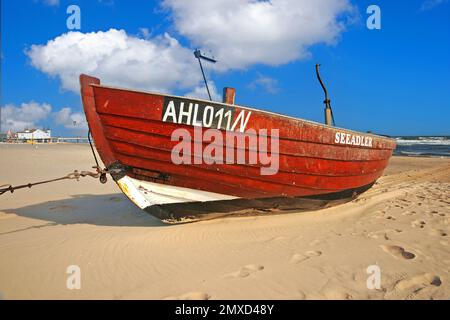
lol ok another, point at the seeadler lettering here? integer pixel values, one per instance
(352, 139)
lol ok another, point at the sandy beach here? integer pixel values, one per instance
(401, 225)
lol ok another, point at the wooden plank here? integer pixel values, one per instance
(134, 128)
(286, 146)
(150, 106)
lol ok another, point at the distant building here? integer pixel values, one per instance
(37, 135)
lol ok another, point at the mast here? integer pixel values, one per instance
(200, 56)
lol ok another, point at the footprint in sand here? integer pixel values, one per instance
(195, 295)
(416, 284)
(246, 271)
(384, 233)
(418, 224)
(439, 233)
(398, 252)
(298, 257)
(408, 213)
(423, 280)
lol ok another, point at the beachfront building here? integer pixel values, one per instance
(36, 135)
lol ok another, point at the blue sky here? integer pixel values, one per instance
(391, 81)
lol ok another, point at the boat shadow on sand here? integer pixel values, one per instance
(117, 210)
(101, 210)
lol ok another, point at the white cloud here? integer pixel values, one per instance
(266, 83)
(27, 115)
(34, 115)
(246, 32)
(201, 93)
(74, 121)
(159, 64)
(240, 33)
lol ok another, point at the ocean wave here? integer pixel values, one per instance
(423, 154)
(424, 140)
(423, 146)
(423, 137)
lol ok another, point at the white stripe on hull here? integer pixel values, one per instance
(145, 194)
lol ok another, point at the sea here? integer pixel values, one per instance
(424, 146)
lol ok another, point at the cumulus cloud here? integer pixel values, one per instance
(33, 115)
(240, 33)
(27, 115)
(268, 84)
(246, 32)
(201, 93)
(74, 121)
(159, 63)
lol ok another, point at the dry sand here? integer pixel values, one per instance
(401, 225)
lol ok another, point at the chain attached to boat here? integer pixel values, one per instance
(75, 175)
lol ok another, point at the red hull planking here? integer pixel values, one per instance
(127, 127)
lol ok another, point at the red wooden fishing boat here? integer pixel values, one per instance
(318, 165)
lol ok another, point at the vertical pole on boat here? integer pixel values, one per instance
(329, 118)
(200, 56)
(229, 95)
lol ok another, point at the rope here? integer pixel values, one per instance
(75, 175)
(92, 149)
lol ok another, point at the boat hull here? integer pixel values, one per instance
(134, 135)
